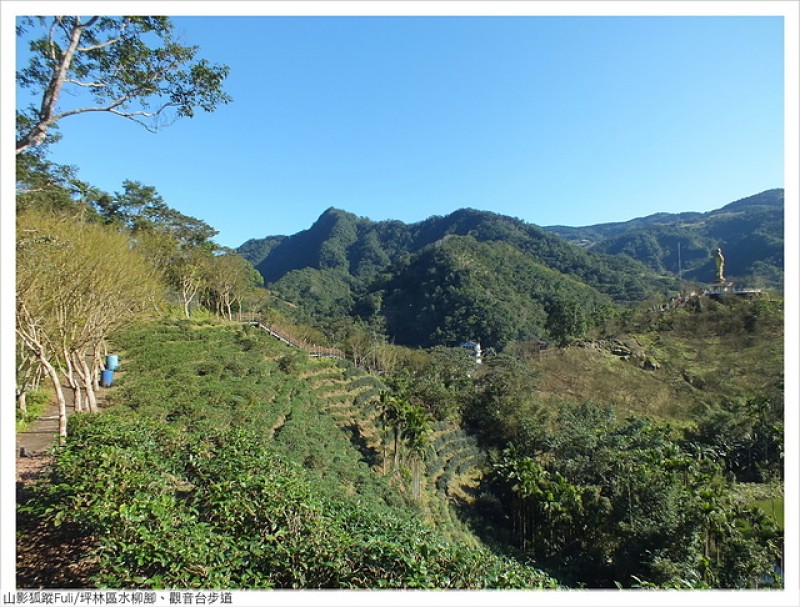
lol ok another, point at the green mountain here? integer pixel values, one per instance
(749, 231)
(361, 248)
(345, 264)
(460, 289)
(520, 281)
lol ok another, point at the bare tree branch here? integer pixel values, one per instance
(87, 84)
(96, 47)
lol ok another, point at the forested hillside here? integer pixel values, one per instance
(750, 232)
(603, 441)
(360, 249)
(348, 266)
(343, 264)
(462, 289)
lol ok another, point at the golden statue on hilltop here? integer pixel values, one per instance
(720, 261)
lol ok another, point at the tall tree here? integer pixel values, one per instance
(76, 283)
(229, 279)
(141, 208)
(130, 66)
(393, 411)
(417, 431)
(43, 185)
(189, 274)
(178, 245)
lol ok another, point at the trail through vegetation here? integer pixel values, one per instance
(188, 492)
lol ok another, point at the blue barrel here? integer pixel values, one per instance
(112, 362)
(106, 377)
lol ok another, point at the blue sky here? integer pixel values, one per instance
(568, 121)
(572, 121)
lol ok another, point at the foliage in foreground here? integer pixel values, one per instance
(204, 495)
(172, 509)
(602, 500)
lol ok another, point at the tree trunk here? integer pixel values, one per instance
(396, 449)
(22, 401)
(384, 441)
(62, 402)
(85, 373)
(36, 135)
(415, 480)
(97, 365)
(188, 291)
(77, 399)
(77, 396)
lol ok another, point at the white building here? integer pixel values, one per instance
(475, 349)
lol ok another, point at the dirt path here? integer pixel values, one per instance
(41, 433)
(47, 557)
(34, 444)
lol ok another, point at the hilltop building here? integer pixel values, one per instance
(474, 348)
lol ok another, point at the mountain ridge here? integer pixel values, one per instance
(306, 248)
(771, 198)
(749, 230)
(339, 240)
(344, 265)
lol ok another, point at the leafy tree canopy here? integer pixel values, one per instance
(131, 66)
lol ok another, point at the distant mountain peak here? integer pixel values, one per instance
(625, 260)
(768, 198)
(333, 211)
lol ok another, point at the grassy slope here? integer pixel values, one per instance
(217, 376)
(704, 356)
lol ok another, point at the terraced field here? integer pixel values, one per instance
(352, 398)
(454, 455)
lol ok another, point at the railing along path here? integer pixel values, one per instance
(286, 337)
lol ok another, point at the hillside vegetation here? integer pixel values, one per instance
(673, 364)
(230, 461)
(598, 445)
(750, 231)
(522, 282)
(462, 289)
(341, 264)
(289, 471)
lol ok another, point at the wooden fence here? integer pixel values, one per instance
(286, 337)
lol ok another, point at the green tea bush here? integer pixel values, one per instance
(229, 511)
(218, 468)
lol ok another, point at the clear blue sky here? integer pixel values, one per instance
(572, 121)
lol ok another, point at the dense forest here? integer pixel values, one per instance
(346, 266)
(330, 431)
